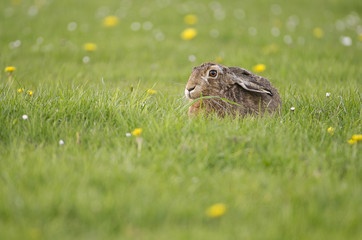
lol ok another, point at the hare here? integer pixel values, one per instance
(232, 90)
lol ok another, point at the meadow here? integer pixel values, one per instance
(95, 141)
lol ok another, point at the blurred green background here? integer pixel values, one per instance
(44, 40)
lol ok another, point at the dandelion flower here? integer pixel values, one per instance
(318, 32)
(188, 34)
(331, 130)
(61, 142)
(259, 68)
(10, 69)
(151, 91)
(29, 92)
(110, 21)
(90, 47)
(357, 137)
(292, 108)
(136, 132)
(21, 90)
(190, 19)
(216, 210)
(351, 141)
(25, 117)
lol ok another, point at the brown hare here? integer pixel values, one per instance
(252, 94)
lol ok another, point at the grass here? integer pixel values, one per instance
(282, 177)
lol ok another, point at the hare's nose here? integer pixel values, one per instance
(190, 89)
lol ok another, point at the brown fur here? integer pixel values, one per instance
(255, 94)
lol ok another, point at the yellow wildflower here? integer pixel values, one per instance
(351, 141)
(10, 69)
(190, 19)
(110, 21)
(188, 34)
(29, 92)
(21, 90)
(318, 32)
(136, 132)
(151, 91)
(259, 68)
(216, 210)
(357, 137)
(218, 59)
(331, 130)
(90, 47)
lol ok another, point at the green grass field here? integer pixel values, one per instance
(283, 177)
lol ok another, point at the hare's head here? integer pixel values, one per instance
(208, 79)
(211, 79)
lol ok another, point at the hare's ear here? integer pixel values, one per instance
(249, 84)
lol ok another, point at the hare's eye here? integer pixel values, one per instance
(212, 73)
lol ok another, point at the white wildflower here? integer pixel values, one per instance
(346, 41)
(86, 59)
(192, 58)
